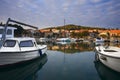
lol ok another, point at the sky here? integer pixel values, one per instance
(51, 13)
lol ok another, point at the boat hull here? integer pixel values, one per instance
(43, 48)
(8, 58)
(111, 62)
(16, 57)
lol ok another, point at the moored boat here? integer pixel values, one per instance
(19, 49)
(43, 39)
(99, 40)
(63, 40)
(16, 50)
(109, 56)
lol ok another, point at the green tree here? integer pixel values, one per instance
(85, 33)
(19, 30)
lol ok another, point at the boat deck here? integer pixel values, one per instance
(109, 51)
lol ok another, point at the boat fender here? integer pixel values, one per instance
(40, 52)
(96, 57)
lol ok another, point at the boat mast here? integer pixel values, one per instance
(5, 31)
(64, 28)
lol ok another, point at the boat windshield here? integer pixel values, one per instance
(9, 31)
(27, 43)
(9, 43)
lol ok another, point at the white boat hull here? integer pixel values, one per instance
(43, 48)
(7, 58)
(10, 58)
(109, 61)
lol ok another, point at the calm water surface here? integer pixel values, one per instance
(62, 62)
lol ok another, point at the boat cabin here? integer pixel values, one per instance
(19, 44)
(10, 32)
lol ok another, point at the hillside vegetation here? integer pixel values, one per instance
(74, 27)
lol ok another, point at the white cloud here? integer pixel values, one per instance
(65, 6)
(104, 5)
(80, 2)
(52, 12)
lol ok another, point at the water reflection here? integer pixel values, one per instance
(24, 71)
(105, 73)
(71, 48)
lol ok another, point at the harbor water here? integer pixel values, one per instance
(68, 61)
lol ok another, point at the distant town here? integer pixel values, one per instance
(70, 31)
(81, 32)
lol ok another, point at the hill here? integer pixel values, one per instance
(74, 27)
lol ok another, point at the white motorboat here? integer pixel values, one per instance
(63, 40)
(14, 50)
(43, 39)
(109, 56)
(63, 43)
(99, 40)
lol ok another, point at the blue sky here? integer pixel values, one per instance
(50, 13)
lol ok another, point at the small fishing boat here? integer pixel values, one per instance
(62, 43)
(109, 56)
(98, 39)
(63, 40)
(19, 49)
(43, 39)
(16, 50)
